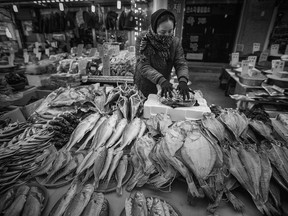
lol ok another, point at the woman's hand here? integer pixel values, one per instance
(167, 89)
(184, 90)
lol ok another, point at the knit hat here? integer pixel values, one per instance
(156, 15)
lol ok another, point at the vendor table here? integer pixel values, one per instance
(111, 79)
(177, 197)
(239, 88)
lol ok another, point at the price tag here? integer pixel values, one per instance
(26, 58)
(239, 47)
(82, 66)
(101, 50)
(263, 56)
(277, 66)
(274, 49)
(38, 55)
(92, 52)
(106, 65)
(252, 60)
(245, 67)
(286, 50)
(256, 47)
(80, 49)
(234, 59)
(11, 59)
(35, 50)
(47, 51)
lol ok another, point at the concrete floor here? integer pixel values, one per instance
(208, 83)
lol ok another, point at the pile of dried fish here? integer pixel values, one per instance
(56, 167)
(82, 98)
(128, 99)
(17, 158)
(214, 156)
(10, 131)
(24, 200)
(81, 201)
(138, 204)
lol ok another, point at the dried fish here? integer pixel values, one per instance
(117, 132)
(120, 173)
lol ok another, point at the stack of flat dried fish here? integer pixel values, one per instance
(138, 204)
(24, 200)
(82, 98)
(86, 202)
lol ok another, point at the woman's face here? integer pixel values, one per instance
(166, 28)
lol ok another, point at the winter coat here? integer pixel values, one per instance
(127, 21)
(149, 71)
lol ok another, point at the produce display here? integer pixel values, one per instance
(123, 64)
(93, 139)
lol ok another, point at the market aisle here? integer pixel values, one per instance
(208, 83)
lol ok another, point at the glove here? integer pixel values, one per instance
(184, 90)
(167, 88)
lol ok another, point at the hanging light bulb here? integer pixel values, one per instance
(61, 6)
(118, 4)
(15, 8)
(93, 8)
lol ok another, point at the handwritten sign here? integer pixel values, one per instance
(26, 58)
(234, 59)
(92, 52)
(286, 50)
(239, 47)
(47, 51)
(277, 66)
(274, 49)
(101, 50)
(252, 60)
(35, 50)
(131, 48)
(80, 49)
(82, 66)
(263, 56)
(256, 47)
(38, 55)
(106, 65)
(245, 67)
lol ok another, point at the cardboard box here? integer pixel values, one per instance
(30, 108)
(153, 106)
(14, 115)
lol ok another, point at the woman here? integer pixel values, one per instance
(157, 51)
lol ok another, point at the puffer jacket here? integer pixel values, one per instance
(150, 71)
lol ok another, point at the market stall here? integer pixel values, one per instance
(87, 146)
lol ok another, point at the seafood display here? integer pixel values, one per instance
(96, 142)
(26, 199)
(11, 131)
(138, 204)
(81, 201)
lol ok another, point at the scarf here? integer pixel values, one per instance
(152, 43)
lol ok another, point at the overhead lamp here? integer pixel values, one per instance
(15, 8)
(61, 6)
(93, 8)
(118, 4)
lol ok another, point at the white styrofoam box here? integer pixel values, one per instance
(153, 106)
(37, 80)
